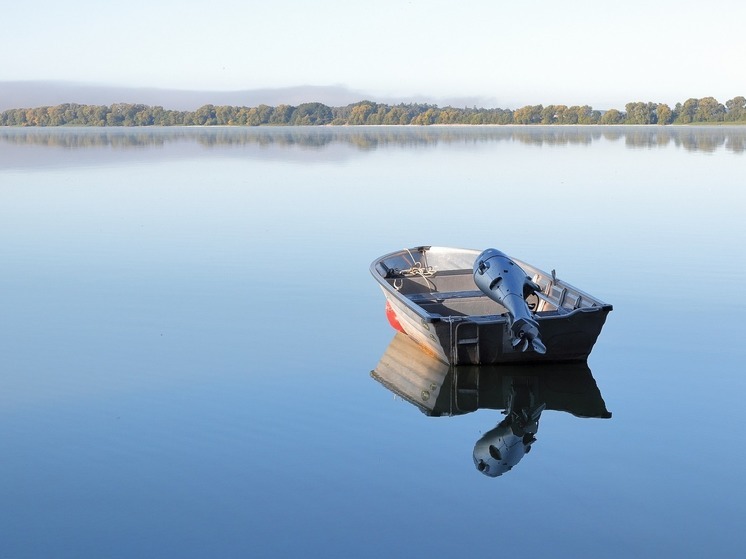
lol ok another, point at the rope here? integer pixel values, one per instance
(417, 269)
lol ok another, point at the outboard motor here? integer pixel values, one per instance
(505, 282)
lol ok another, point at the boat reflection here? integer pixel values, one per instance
(521, 392)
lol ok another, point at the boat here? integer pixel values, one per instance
(522, 392)
(470, 307)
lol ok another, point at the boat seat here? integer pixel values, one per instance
(438, 296)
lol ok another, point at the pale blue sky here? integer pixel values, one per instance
(516, 53)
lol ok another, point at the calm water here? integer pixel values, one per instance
(189, 329)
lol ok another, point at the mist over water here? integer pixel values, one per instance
(364, 138)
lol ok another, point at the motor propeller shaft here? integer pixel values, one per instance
(506, 283)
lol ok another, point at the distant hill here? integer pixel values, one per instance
(30, 94)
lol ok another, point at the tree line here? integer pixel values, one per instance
(704, 110)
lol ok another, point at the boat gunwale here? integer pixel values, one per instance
(487, 319)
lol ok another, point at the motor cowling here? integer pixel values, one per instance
(506, 283)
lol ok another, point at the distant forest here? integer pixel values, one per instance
(692, 111)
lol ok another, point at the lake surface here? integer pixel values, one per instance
(189, 328)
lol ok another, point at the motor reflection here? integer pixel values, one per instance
(521, 392)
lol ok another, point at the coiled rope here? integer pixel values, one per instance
(416, 269)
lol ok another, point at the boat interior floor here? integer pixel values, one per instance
(454, 293)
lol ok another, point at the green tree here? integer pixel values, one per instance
(530, 114)
(709, 110)
(309, 114)
(612, 116)
(19, 117)
(736, 109)
(685, 113)
(448, 115)
(256, 116)
(551, 114)
(75, 114)
(143, 116)
(664, 114)
(115, 116)
(225, 115)
(359, 112)
(504, 116)
(56, 115)
(586, 115)
(427, 117)
(93, 115)
(281, 115)
(641, 113)
(204, 116)
(396, 115)
(571, 115)
(37, 117)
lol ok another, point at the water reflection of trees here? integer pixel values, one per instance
(691, 139)
(705, 139)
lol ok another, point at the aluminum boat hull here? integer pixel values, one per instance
(432, 297)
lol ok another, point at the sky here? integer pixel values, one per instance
(508, 54)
